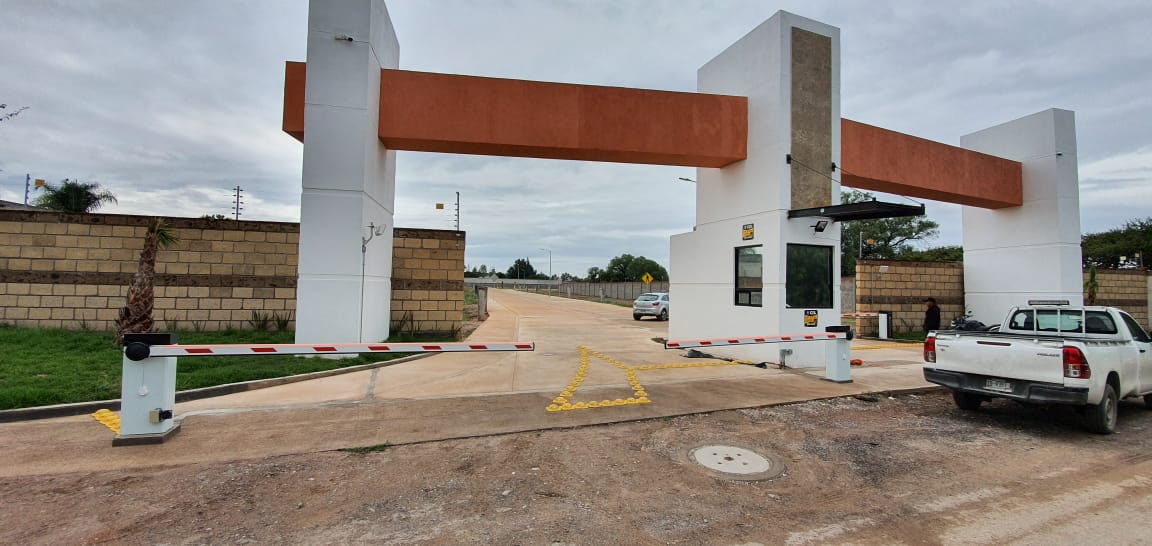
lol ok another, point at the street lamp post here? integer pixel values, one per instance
(373, 231)
(549, 251)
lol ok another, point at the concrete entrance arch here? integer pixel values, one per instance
(764, 130)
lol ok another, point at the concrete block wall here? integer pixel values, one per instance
(427, 281)
(902, 288)
(72, 271)
(1127, 290)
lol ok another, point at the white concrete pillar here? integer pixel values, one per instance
(1032, 251)
(349, 177)
(789, 68)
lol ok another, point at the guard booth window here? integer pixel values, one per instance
(809, 277)
(749, 276)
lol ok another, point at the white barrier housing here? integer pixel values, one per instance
(838, 344)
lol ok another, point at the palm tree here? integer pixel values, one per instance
(1091, 286)
(136, 315)
(74, 196)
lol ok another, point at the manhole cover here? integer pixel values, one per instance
(736, 462)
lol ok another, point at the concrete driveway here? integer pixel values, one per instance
(458, 395)
(559, 326)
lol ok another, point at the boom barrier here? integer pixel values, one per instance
(148, 381)
(838, 339)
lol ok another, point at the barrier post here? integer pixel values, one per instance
(837, 365)
(147, 391)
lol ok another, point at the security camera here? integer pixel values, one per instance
(344, 37)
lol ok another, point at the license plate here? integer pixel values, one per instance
(998, 385)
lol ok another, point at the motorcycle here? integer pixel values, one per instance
(966, 323)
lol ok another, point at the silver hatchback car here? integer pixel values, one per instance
(654, 304)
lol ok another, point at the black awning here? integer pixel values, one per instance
(864, 210)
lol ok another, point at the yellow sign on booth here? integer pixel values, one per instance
(647, 278)
(811, 318)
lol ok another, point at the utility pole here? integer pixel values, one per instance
(457, 211)
(237, 204)
(27, 187)
(549, 251)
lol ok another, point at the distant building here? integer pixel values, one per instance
(9, 205)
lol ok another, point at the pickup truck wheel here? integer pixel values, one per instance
(1101, 418)
(967, 401)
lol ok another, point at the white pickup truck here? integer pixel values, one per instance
(1047, 353)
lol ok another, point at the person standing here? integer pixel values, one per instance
(931, 315)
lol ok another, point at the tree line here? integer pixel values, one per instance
(622, 268)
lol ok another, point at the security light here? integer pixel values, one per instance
(821, 225)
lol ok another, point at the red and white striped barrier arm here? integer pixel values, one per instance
(728, 341)
(336, 348)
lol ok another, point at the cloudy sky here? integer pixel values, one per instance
(171, 104)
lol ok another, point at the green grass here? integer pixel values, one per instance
(911, 336)
(40, 367)
(470, 296)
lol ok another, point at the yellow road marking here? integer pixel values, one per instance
(109, 419)
(563, 401)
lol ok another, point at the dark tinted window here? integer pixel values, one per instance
(1099, 322)
(1022, 320)
(1134, 328)
(749, 276)
(809, 280)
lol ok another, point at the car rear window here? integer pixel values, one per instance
(648, 297)
(1092, 322)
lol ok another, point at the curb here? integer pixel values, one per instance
(892, 392)
(84, 408)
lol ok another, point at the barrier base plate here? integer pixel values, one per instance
(145, 439)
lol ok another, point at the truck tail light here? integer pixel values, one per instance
(1075, 365)
(930, 349)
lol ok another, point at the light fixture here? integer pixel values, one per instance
(821, 225)
(687, 179)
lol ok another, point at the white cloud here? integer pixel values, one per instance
(170, 105)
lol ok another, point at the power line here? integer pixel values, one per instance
(792, 160)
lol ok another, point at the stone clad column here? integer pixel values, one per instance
(1032, 251)
(789, 68)
(349, 177)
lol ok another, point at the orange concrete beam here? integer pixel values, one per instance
(882, 160)
(490, 116)
(427, 112)
(293, 123)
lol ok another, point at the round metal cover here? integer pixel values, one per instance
(735, 460)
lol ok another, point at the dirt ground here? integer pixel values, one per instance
(911, 469)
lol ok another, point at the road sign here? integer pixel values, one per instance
(647, 278)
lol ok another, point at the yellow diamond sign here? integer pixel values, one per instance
(647, 278)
